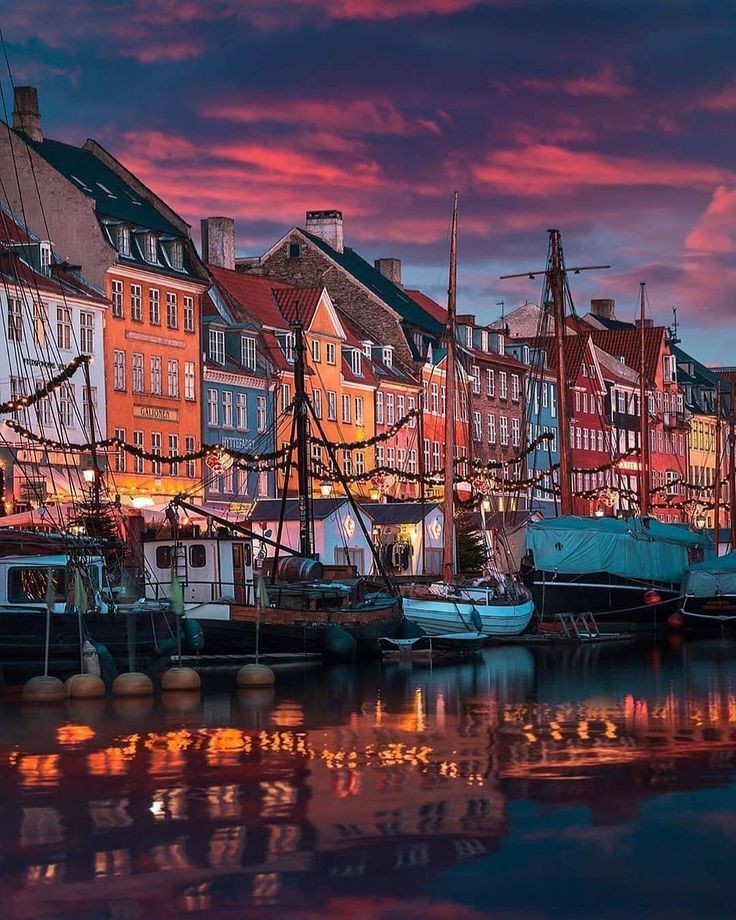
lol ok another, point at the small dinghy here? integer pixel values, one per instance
(447, 645)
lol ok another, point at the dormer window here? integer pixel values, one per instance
(286, 343)
(388, 355)
(356, 362)
(45, 257)
(469, 336)
(150, 247)
(484, 340)
(123, 239)
(176, 255)
(217, 346)
(525, 354)
(367, 348)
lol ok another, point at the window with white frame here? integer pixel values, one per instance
(411, 461)
(358, 410)
(154, 307)
(227, 409)
(490, 382)
(123, 239)
(188, 314)
(332, 405)
(388, 355)
(261, 413)
(316, 351)
(434, 406)
(347, 463)
(248, 352)
(390, 416)
(503, 389)
(317, 402)
(356, 362)
(436, 461)
(475, 373)
(137, 372)
(66, 405)
(40, 321)
(190, 392)
(86, 332)
(241, 411)
(515, 432)
(412, 406)
(136, 308)
(116, 295)
(380, 459)
(285, 395)
(118, 369)
(504, 430)
(139, 464)
(515, 389)
(346, 408)
(330, 349)
(379, 408)
(176, 255)
(190, 447)
(359, 462)
(173, 376)
(43, 406)
(150, 247)
(491, 428)
(64, 328)
(477, 426)
(156, 449)
(119, 461)
(173, 451)
(172, 310)
(15, 320)
(155, 369)
(217, 346)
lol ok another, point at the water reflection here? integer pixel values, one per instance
(350, 787)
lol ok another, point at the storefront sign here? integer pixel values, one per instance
(156, 414)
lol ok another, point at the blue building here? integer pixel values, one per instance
(239, 383)
(541, 418)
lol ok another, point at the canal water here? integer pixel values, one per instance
(558, 782)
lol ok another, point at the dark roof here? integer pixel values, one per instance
(113, 197)
(426, 303)
(626, 343)
(575, 349)
(398, 512)
(269, 509)
(612, 323)
(386, 290)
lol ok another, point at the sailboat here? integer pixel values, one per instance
(449, 606)
(626, 572)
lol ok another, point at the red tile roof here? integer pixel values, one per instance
(297, 304)
(251, 294)
(626, 344)
(435, 310)
(576, 347)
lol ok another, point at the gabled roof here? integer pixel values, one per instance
(626, 344)
(399, 512)
(523, 322)
(576, 347)
(250, 296)
(297, 304)
(435, 310)
(613, 370)
(269, 509)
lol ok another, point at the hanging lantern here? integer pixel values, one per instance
(463, 490)
(652, 597)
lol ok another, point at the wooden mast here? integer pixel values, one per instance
(448, 549)
(644, 412)
(717, 482)
(556, 283)
(732, 458)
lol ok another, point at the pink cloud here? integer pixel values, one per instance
(606, 83)
(541, 169)
(715, 232)
(722, 101)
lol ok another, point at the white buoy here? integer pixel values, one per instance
(44, 689)
(132, 683)
(180, 679)
(84, 687)
(255, 675)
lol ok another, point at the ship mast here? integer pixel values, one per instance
(448, 550)
(643, 412)
(717, 482)
(301, 409)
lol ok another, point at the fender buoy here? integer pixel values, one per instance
(675, 621)
(90, 659)
(108, 668)
(338, 643)
(652, 597)
(193, 635)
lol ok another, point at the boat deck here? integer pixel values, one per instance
(284, 616)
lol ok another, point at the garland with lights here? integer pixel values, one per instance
(23, 402)
(376, 439)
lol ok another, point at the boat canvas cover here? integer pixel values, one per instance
(711, 578)
(641, 548)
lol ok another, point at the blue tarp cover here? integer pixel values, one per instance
(641, 548)
(712, 577)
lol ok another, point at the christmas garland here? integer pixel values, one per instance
(23, 402)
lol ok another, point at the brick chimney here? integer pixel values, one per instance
(26, 116)
(391, 269)
(606, 309)
(327, 225)
(218, 241)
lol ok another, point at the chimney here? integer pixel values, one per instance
(391, 269)
(648, 323)
(606, 309)
(26, 116)
(327, 225)
(218, 241)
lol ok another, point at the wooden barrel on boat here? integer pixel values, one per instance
(299, 568)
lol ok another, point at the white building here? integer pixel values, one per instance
(50, 316)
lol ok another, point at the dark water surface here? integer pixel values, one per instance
(589, 782)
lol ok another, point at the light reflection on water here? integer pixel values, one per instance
(385, 791)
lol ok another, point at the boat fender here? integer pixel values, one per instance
(90, 659)
(411, 630)
(476, 619)
(108, 668)
(338, 643)
(166, 647)
(193, 635)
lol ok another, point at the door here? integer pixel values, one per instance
(349, 556)
(238, 573)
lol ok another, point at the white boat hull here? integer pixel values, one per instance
(445, 616)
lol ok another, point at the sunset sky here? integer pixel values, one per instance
(613, 121)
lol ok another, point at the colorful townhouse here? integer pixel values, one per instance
(51, 315)
(136, 248)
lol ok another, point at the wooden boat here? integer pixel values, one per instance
(444, 645)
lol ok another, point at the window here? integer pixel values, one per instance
(600, 440)
(118, 370)
(176, 255)
(358, 410)
(332, 405)
(316, 350)
(44, 251)
(475, 373)
(188, 314)
(123, 236)
(136, 310)
(585, 438)
(515, 387)
(346, 409)
(515, 432)
(43, 407)
(150, 247)
(261, 413)
(190, 446)
(504, 429)
(426, 453)
(388, 355)
(503, 390)
(490, 382)
(391, 457)
(545, 395)
(434, 405)
(172, 310)
(287, 344)
(248, 352)
(66, 405)
(217, 346)
(156, 449)
(359, 462)
(412, 402)
(189, 381)
(411, 460)
(379, 456)
(18, 388)
(379, 408)
(119, 462)
(137, 373)
(578, 438)
(241, 411)
(285, 391)
(138, 462)
(227, 409)
(117, 297)
(155, 375)
(356, 362)
(173, 451)
(469, 336)
(173, 378)
(390, 417)
(347, 463)
(477, 426)
(585, 402)
(435, 455)
(317, 402)
(154, 307)
(64, 328)
(491, 429)
(330, 352)
(40, 320)
(294, 250)
(15, 320)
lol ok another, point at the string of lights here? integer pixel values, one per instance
(23, 402)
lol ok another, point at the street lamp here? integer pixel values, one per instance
(89, 475)
(486, 504)
(374, 494)
(325, 490)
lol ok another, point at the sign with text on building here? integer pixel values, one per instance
(633, 465)
(156, 413)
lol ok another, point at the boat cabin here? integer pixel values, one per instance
(24, 581)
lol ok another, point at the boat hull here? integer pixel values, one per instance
(447, 645)
(710, 612)
(439, 615)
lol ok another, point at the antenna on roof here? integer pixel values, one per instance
(672, 337)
